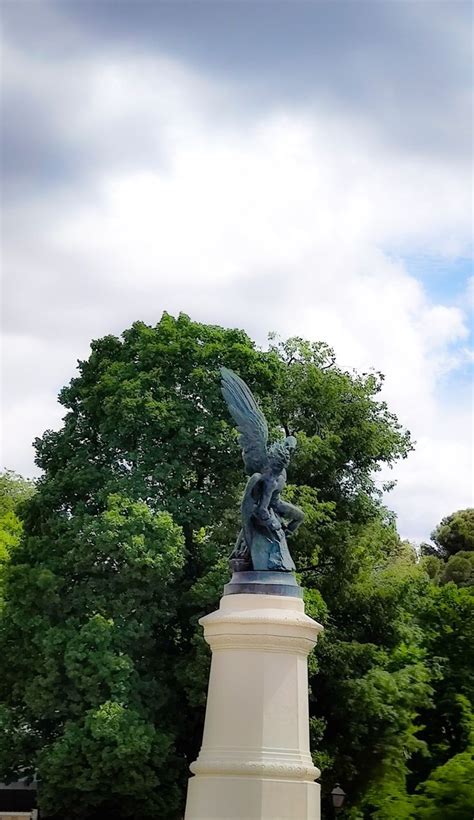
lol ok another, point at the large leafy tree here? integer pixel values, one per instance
(14, 490)
(449, 791)
(125, 546)
(446, 616)
(87, 619)
(441, 768)
(455, 533)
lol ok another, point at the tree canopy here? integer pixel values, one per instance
(14, 491)
(125, 546)
(455, 533)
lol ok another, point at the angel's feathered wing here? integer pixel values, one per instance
(250, 421)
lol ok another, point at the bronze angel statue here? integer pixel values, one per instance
(261, 544)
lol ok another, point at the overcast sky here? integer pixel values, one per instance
(299, 167)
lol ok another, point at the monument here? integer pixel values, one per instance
(255, 762)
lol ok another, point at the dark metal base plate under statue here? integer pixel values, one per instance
(264, 582)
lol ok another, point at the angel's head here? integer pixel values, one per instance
(280, 452)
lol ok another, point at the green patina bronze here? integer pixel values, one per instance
(267, 520)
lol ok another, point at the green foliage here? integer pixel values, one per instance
(446, 616)
(14, 490)
(372, 681)
(87, 626)
(448, 794)
(10, 532)
(444, 774)
(459, 569)
(455, 533)
(112, 746)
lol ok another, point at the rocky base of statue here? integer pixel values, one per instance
(255, 762)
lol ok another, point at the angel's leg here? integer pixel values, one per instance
(290, 511)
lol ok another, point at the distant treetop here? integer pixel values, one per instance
(455, 533)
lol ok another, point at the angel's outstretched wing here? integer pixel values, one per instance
(250, 421)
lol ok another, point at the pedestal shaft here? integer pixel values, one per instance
(255, 762)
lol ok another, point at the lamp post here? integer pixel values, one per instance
(338, 796)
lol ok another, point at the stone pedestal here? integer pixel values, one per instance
(255, 762)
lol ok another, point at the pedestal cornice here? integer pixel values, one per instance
(269, 623)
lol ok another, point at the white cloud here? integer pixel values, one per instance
(437, 477)
(287, 223)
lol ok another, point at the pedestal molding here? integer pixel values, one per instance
(264, 643)
(256, 768)
(276, 617)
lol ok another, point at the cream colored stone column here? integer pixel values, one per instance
(255, 762)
